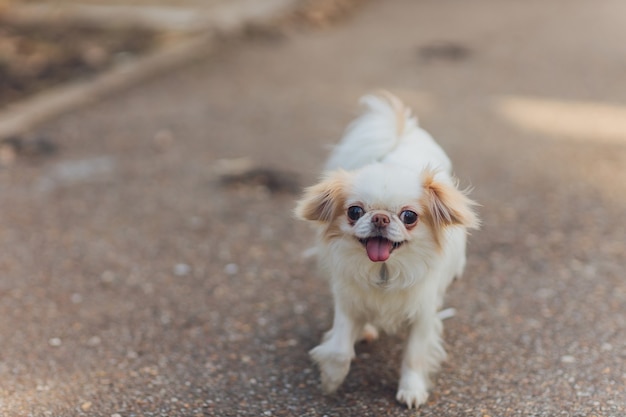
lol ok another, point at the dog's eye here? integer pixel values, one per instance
(355, 212)
(408, 217)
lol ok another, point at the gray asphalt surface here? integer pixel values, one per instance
(134, 283)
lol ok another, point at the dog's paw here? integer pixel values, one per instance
(333, 367)
(413, 389)
(369, 334)
(412, 398)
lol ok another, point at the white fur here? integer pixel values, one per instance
(386, 153)
(375, 137)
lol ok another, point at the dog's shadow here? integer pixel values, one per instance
(373, 375)
(375, 369)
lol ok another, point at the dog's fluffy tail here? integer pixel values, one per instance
(374, 134)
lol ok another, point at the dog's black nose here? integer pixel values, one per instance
(380, 220)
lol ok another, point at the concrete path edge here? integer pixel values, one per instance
(21, 117)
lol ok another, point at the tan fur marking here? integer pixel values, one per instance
(333, 231)
(444, 205)
(323, 201)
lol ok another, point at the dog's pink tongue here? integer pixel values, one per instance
(378, 249)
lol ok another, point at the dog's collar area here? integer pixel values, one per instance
(383, 274)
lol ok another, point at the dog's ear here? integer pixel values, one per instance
(322, 202)
(446, 205)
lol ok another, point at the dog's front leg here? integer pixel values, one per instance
(334, 354)
(423, 355)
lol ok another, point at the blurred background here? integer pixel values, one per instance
(151, 152)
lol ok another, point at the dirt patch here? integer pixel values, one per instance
(444, 51)
(243, 173)
(34, 57)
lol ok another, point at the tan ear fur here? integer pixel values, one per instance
(446, 205)
(322, 202)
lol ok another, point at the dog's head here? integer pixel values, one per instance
(385, 208)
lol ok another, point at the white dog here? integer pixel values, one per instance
(392, 232)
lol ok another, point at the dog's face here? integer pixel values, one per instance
(384, 208)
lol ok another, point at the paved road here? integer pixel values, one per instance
(134, 283)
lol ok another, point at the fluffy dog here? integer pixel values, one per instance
(392, 235)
